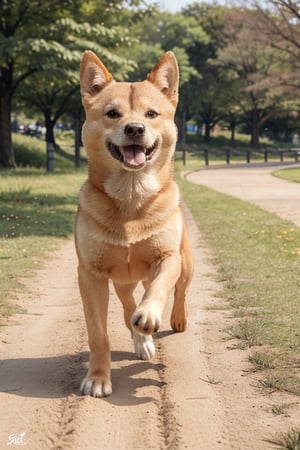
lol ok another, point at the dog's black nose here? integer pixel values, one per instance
(134, 129)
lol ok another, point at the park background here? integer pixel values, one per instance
(239, 65)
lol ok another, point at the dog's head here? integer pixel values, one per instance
(130, 125)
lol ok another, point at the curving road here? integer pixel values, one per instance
(254, 184)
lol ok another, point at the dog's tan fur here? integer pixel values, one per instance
(129, 227)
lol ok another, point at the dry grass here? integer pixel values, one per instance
(288, 441)
(258, 260)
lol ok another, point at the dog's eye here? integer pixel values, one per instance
(152, 114)
(113, 114)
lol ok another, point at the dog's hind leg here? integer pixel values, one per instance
(144, 345)
(179, 315)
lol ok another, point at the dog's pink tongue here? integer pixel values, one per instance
(133, 155)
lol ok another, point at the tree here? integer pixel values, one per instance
(41, 43)
(161, 32)
(50, 89)
(22, 39)
(279, 22)
(250, 59)
(208, 94)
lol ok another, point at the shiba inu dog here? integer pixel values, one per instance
(129, 227)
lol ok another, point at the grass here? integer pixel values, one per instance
(263, 360)
(288, 441)
(258, 260)
(31, 152)
(281, 408)
(222, 138)
(280, 381)
(248, 332)
(292, 174)
(36, 214)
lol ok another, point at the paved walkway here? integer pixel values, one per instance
(256, 185)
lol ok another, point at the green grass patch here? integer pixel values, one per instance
(222, 138)
(263, 360)
(258, 260)
(291, 174)
(31, 152)
(36, 213)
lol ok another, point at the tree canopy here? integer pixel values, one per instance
(238, 64)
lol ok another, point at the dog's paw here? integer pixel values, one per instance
(179, 323)
(96, 387)
(144, 346)
(144, 321)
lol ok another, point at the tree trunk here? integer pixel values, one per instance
(7, 157)
(207, 132)
(49, 124)
(254, 141)
(179, 125)
(232, 130)
(50, 141)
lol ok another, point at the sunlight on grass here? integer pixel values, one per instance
(36, 211)
(31, 152)
(291, 174)
(258, 260)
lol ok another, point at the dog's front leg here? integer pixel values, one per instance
(163, 275)
(95, 295)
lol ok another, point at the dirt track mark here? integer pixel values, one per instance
(169, 426)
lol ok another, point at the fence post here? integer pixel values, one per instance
(206, 156)
(248, 156)
(227, 155)
(184, 156)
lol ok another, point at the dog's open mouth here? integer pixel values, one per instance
(133, 156)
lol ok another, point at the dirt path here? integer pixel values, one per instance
(197, 393)
(255, 184)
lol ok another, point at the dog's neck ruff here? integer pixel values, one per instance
(124, 226)
(131, 189)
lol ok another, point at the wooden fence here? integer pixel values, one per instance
(231, 154)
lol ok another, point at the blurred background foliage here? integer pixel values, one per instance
(239, 65)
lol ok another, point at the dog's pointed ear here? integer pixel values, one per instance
(165, 76)
(94, 76)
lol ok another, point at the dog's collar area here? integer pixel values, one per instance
(132, 156)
